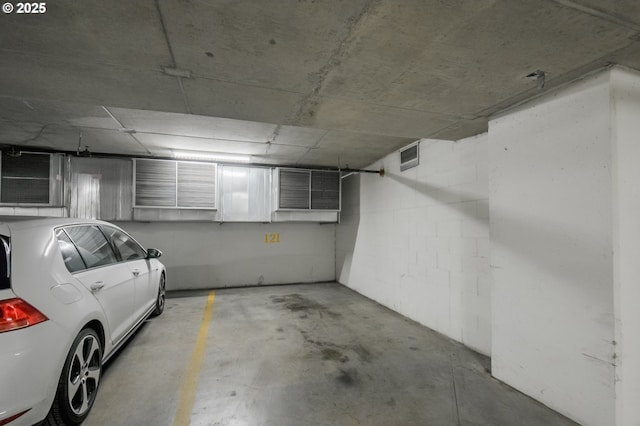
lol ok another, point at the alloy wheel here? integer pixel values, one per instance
(84, 374)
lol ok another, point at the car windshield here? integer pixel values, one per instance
(5, 262)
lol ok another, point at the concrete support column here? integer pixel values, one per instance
(625, 118)
(565, 239)
(551, 250)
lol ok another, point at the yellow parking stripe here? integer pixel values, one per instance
(188, 389)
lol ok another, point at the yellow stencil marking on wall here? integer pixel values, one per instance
(190, 381)
(271, 238)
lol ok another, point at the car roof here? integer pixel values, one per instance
(15, 223)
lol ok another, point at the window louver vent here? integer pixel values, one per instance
(155, 183)
(325, 190)
(309, 190)
(409, 158)
(172, 184)
(294, 189)
(25, 178)
(196, 185)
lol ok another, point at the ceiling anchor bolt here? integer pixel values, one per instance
(539, 77)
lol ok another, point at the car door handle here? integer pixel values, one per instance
(136, 273)
(97, 286)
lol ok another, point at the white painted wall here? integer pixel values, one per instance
(206, 254)
(551, 241)
(418, 241)
(625, 86)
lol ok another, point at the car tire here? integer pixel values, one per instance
(79, 380)
(160, 299)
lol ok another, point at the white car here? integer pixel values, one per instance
(71, 292)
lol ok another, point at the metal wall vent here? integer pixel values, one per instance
(155, 183)
(175, 184)
(301, 189)
(196, 185)
(325, 190)
(25, 178)
(294, 189)
(409, 157)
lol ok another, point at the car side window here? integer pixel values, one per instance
(5, 262)
(70, 255)
(93, 246)
(128, 248)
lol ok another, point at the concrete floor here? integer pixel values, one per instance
(303, 355)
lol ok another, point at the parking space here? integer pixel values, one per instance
(141, 384)
(302, 354)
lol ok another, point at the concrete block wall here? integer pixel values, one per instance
(418, 241)
(207, 255)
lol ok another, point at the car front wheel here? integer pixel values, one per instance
(78, 385)
(160, 299)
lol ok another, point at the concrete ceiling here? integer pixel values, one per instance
(306, 82)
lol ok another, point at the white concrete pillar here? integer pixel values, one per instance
(550, 198)
(565, 239)
(625, 117)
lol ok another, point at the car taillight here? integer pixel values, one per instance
(16, 314)
(12, 418)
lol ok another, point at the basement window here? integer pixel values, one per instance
(175, 184)
(25, 178)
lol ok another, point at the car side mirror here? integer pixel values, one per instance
(153, 253)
